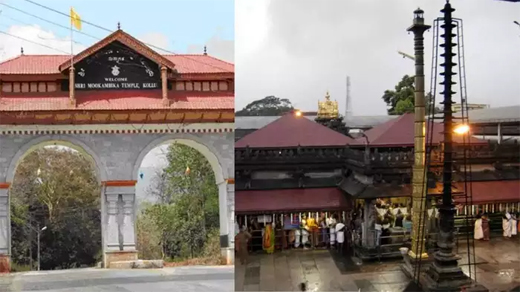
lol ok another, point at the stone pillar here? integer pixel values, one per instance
(120, 228)
(112, 227)
(164, 85)
(368, 236)
(224, 191)
(5, 230)
(128, 228)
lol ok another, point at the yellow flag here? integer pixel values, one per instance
(75, 20)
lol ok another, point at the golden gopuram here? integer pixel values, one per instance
(327, 109)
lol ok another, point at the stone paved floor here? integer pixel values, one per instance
(498, 268)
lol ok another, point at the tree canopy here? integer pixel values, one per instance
(185, 222)
(56, 188)
(268, 106)
(401, 100)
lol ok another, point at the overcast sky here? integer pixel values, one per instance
(299, 49)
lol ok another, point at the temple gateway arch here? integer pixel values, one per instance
(115, 122)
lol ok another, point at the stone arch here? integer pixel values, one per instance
(220, 170)
(67, 141)
(208, 151)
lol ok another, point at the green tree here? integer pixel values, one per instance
(56, 188)
(401, 100)
(268, 106)
(187, 213)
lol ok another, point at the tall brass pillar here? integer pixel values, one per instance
(419, 175)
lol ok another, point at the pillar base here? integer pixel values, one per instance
(414, 256)
(228, 255)
(119, 256)
(5, 263)
(409, 267)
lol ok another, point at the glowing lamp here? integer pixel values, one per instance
(188, 170)
(461, 129)
(298, 113)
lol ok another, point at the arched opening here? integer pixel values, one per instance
(179, 197)
(55, 206)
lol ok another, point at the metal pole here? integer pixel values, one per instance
(38, 232)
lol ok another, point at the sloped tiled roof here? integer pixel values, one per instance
(55, 64)
(49, 64)
(399, 132)
(133, 100)
(292, 131)
(307, 199)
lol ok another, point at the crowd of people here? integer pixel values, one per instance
(335, 230)
(300, 230)
(510, 225)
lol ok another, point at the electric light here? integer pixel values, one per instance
(461, 129)
(298, 113)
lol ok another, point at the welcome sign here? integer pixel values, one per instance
(117, 67)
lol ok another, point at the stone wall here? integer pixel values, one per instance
(117, 158)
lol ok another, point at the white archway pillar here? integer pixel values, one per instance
(4, 223)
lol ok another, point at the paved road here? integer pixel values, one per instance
(96, 280)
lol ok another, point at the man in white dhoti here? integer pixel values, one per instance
(297, 237)
(479, 232)
(506, 225)
(340, 235)
(331, 223)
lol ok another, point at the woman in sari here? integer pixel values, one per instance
(268, 240)
(485, 227)
(479, 231)
(506, 225)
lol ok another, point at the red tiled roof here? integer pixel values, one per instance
(126, 101)
(293, 131)
(502, 191)
(315, 199)
(399, 132)
(49, 64)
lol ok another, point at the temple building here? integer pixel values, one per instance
(294, 166)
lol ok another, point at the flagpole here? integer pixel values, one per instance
(71, 42)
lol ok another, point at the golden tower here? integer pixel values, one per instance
(327, 109)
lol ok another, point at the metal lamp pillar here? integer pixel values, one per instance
(419, 175)
(444, 274)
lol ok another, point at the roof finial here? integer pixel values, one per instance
(21, 50)
(205, 51)
(118, 25)
(327, 95)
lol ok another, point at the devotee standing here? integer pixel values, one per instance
(399, 218)
(506, 225)
(324, 229)
(304, 231)
(340, 235)
(268, 243)
(479, 231)
(331, 223)
(241, 240)
(485, 227)
(514, 227)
